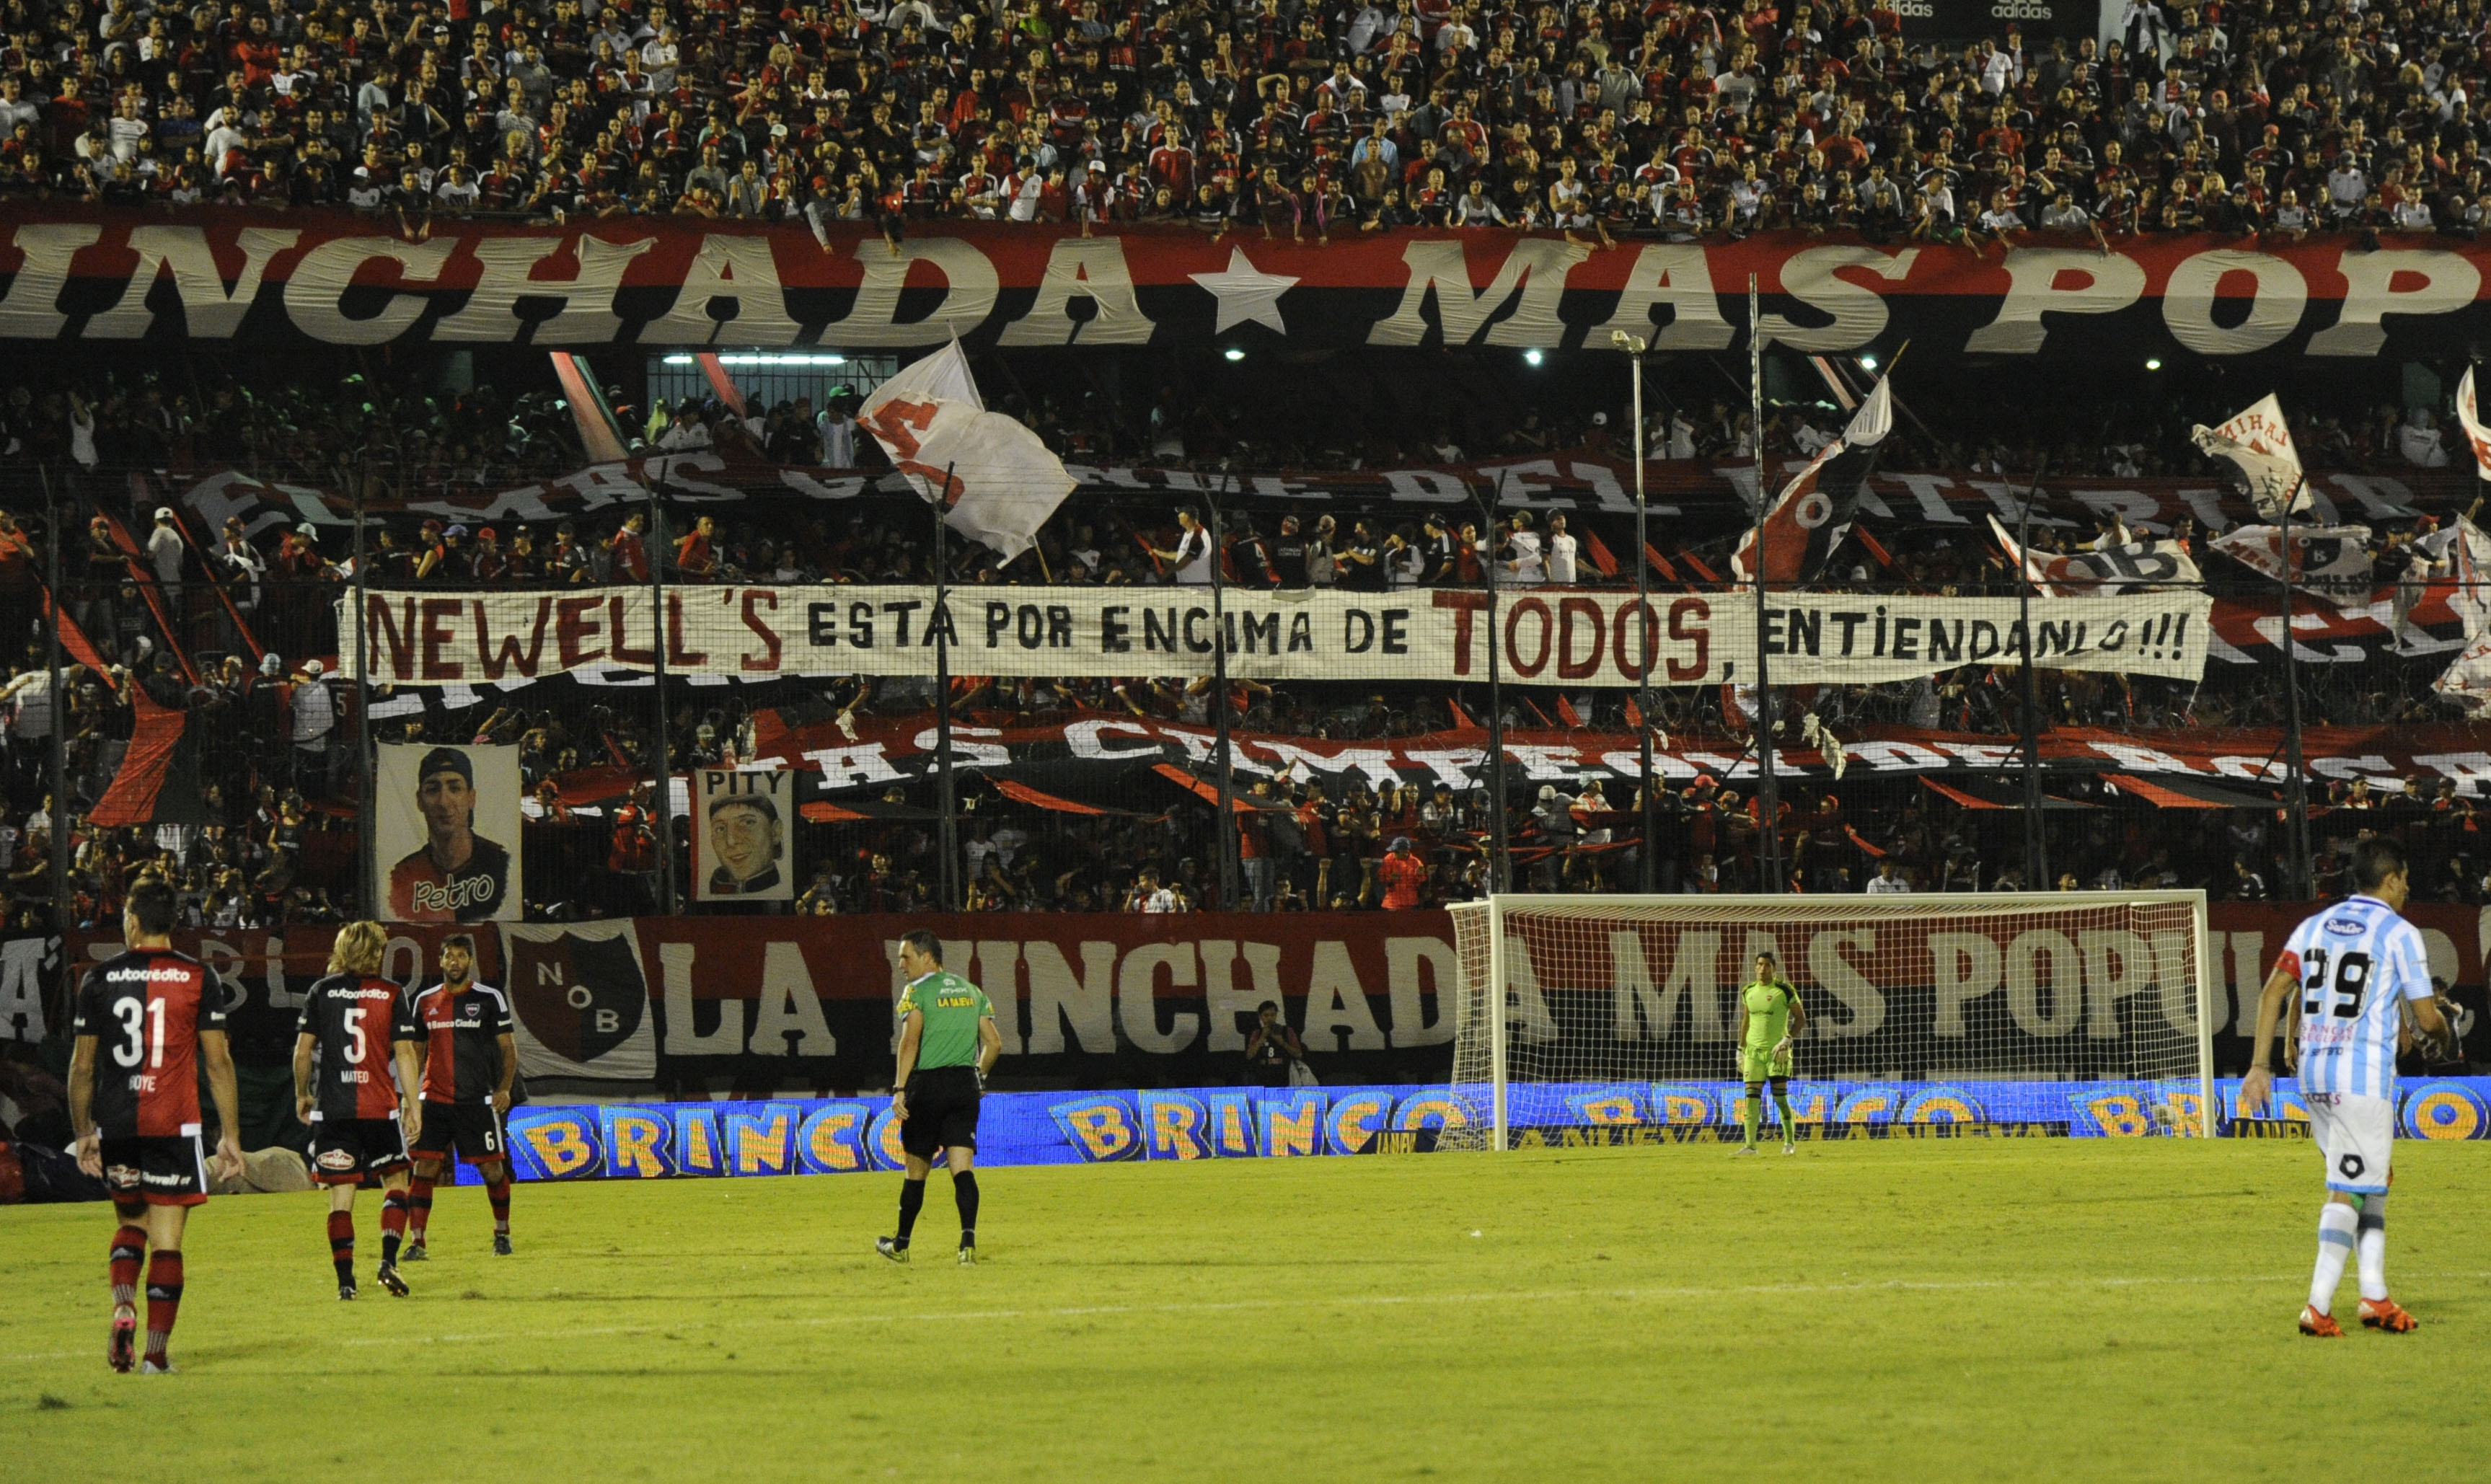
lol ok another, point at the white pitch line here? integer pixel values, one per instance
(1371, 1300)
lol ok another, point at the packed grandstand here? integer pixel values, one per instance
(1600, 120)
(344, 238)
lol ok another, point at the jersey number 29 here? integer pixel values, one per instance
(2343, 999)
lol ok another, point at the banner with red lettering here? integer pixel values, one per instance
(1087, 1001)
(1704, 501)
(329, 277)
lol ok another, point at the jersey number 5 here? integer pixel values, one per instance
(2348, 994)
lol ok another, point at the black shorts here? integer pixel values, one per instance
(344, 1150)
(161, 1169)
(473, 1129)
(942, 1112)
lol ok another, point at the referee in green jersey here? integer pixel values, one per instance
(1770, 1015)
(947, 1043)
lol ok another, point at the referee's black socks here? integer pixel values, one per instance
(964, 1189)
(912, 1200)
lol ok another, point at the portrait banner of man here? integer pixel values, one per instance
(741, 842)
(444, 813)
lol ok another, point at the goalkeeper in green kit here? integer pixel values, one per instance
(1769, 1016)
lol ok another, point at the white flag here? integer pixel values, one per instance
(2466, 554)
(2140, 564)
(1000, 482)
(2333, 562)
(2467, 681)
(2259, 442)
(2475, 434)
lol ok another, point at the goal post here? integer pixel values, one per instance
(1926, 988)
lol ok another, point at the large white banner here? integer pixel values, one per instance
(1545, 636)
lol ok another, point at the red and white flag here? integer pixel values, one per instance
(2105, 572)
(999, 483)
(2333, 562)
(2476, 436)
(2468, 679)
(2460, 554)
(2259, 442)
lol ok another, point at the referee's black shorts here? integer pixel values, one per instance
(942, 1112)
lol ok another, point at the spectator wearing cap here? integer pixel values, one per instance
(164, 554)
(490, 564)
(313, 709)
(298, 554)
(431, 554)
(1403, 875)
(1554, 819)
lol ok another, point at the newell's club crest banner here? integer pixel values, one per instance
(580, 1000)
(743, 840)
(1548, 636)
(449, 834)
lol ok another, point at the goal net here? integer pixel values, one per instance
(1641, 991)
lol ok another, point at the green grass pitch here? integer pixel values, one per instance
(1931, 1309)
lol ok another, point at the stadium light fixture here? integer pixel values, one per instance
(1531, 358)
(1234, 353)
(2153, 363)
(1867, 363)
(749, 358)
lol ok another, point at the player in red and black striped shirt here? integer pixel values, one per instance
(154, 1018)
(355, 1029)
(469, 1059)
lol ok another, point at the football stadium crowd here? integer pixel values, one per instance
(1595, 117)
(276, 750)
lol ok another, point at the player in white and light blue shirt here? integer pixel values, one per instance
(2346, 976)
(2355, 964)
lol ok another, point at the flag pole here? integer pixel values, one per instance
(1646, 865)
(1224, 839)
(2036, 844)
(2296, 788)
(1500, 860)
(947, 829)
(366, 809)
(56, 747)
(655, 550)
(1768, 793)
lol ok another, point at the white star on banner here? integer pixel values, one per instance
(1246, 295)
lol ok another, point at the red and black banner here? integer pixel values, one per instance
(2246, 763)
(339, 278)
(1083, 1000)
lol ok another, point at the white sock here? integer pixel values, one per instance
(2372, 1247)
(2335, 1226)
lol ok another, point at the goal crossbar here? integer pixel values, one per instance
(1921, 986)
